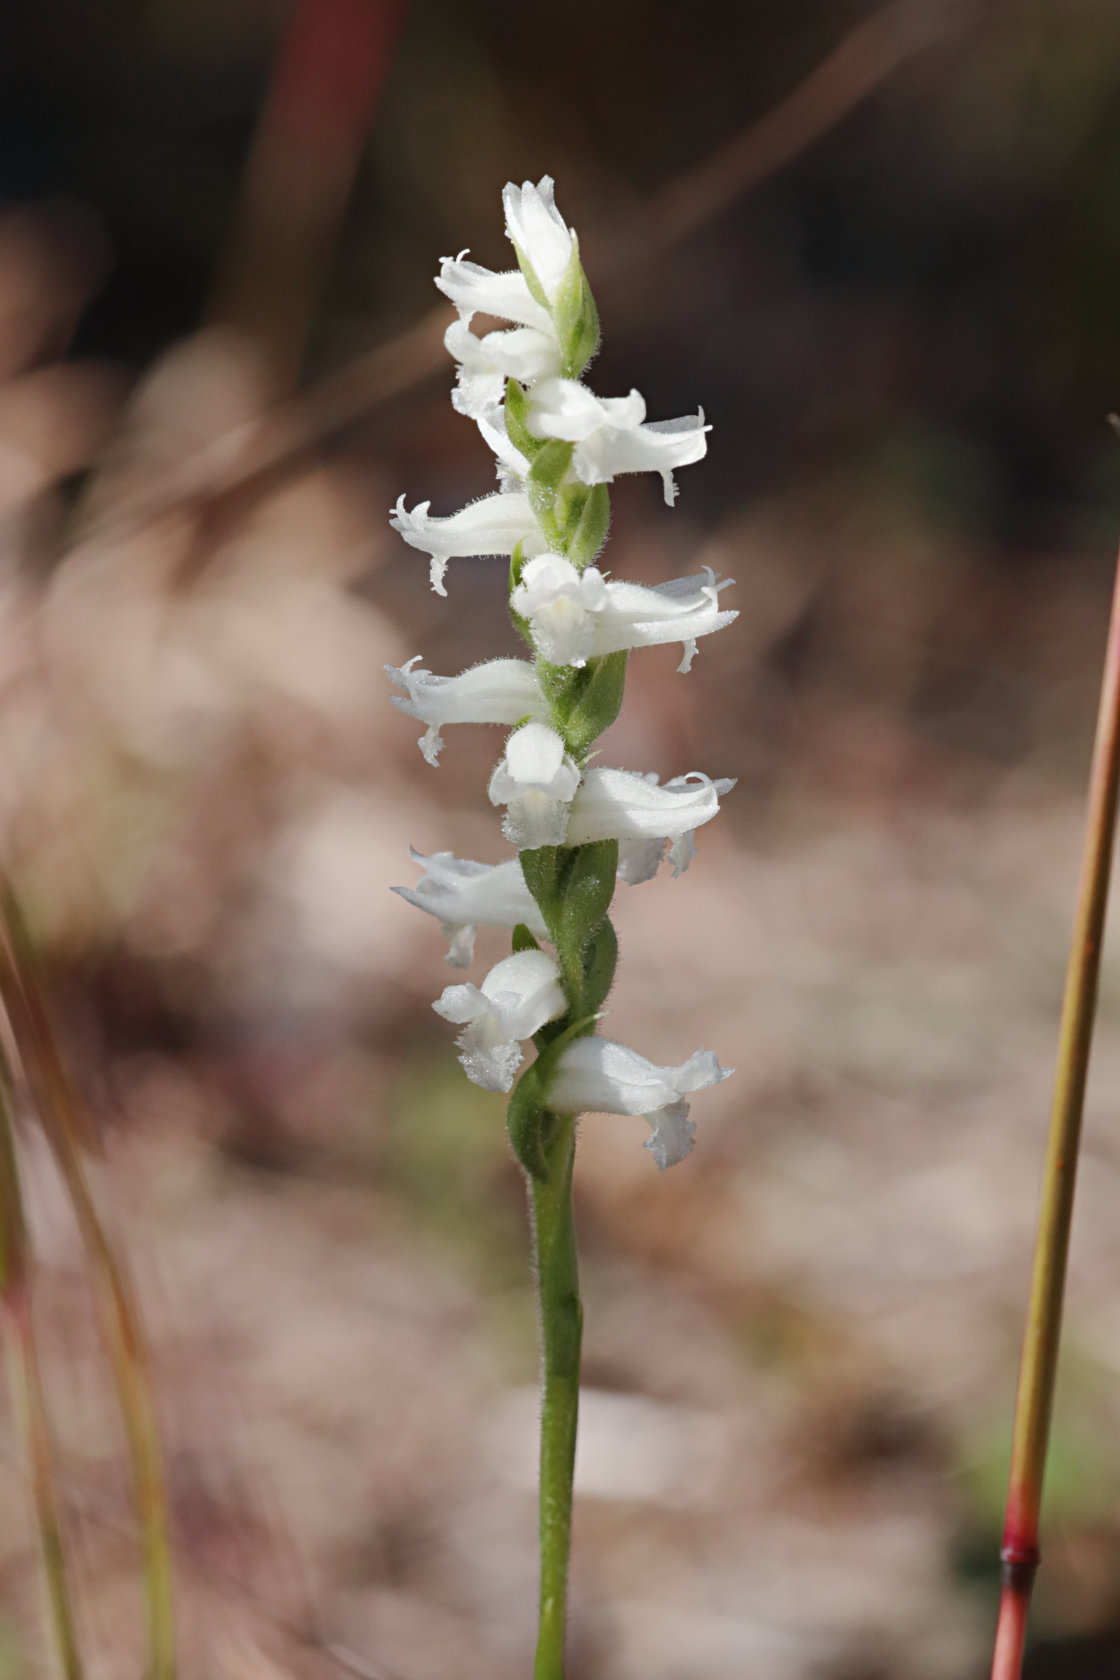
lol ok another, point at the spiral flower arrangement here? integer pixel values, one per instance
(577, 828)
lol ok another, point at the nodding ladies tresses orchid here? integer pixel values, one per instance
(597, 1074)
(499, 691)
(496, 524)
(575, 616)
(535, 781)
(611, 436)
(516, 999)
(577, 827)
(465, 896)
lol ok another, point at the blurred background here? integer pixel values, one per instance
(882, 249)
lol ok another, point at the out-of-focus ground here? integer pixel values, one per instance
(801, 1344)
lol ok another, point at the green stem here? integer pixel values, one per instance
(561, 1335)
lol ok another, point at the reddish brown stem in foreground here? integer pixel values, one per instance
(58, 1111)
(1035, 1399)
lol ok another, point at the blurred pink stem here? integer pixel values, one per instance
(1034, 1403)
(330, 69)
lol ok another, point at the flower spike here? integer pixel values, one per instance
(578, 828)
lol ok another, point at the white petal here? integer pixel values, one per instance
(524, 992)
(465, 895)
(476, 390)
(564, 408)
(634, 615)
(548, 576)
(492, 424)
(596, 1075)
(493, 525)
(461, 1003)
(561, 605)
(534, 755)
(619, 805)
(535, 819)
(672, 1134)
(537, 228)
(460, 937)
(474, 290)
(658, 447)
(534, 758)
(489, 1058)
(535, 778)
(515, 1000)
(682, 851)
(499, 691)
(575, 615)
(639, 860)
(524, 353)
(611, 434)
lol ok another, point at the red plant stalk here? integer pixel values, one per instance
(1034, 1402)
(333, 61)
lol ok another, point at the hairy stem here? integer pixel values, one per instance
(561, 1335)
(1034, 1403)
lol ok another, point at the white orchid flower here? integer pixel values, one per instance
(493, 525)
(499, 691)
(611, 435)
(523, 353)
(576, 616)
(535, 780)
(561, 605)
(479, 291)
(598, 1076)
(641, 814)
(514, 1001)
(466, 896)
(539, 232)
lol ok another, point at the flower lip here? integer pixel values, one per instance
(535, 780)
(524, 353)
